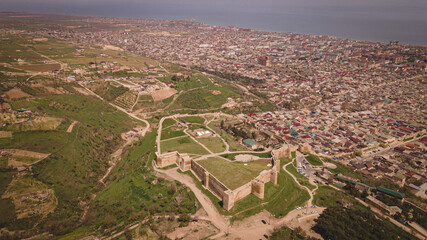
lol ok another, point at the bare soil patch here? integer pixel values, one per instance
(39, 123)
(16, 93)
(31, 197)
(82, 91)
(330, 165)
(195, 230)
(70, 128)
(163, 94)
(25, 153)
(5, 134)
(246, 157)
(40, 67)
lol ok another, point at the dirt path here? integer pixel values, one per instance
(136, 101)
(215, 115)
(214, 216)
(227, 146)
(309, 203)
(70, 128)
(195, 140)
(116, 156)
(249, 228)
(121, 109)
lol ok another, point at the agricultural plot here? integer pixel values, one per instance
(234, 174)
(182, 145)
(35, 90)
(107, 91)
(194, 119)
(144, 101)
(130, 59)
(30, 197)
(126, 100)
(5, 134)
(40, 67)
(204, 98)
(36, 124)
(7, 69)
(163, 94)
(23, 104)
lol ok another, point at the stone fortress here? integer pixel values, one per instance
(229, 197)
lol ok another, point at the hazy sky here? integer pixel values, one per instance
(412, 9)
(377, 20)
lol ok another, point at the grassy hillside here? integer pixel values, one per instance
(77, 160)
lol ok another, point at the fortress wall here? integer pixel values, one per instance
(264, 176)
(242, 191)
(167, 159)
(198, 170)
(216, 186)
(258, 188)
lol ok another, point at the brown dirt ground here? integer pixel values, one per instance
(27, 196)
(163, 94)
(82, 91)
(16, 93)
(25, 153)
(195, 230)
(5, 134)
(40, 67)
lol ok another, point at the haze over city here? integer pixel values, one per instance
(377, 20)
(234, 120)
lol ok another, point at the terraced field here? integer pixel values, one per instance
(126, 100)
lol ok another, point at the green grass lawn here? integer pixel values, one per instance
(342, 169)
(314, 160)
(168, 122)
(133, 190)
(194, 119)
(171, 133)
(214, 144)
(301, 178)
(77, 159)
(37, 141)
(208, 96)
(183, 145)
(279, 199)
(6, 69)
(233, 174)
(234, 145)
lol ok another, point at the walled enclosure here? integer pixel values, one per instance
(210, 182)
